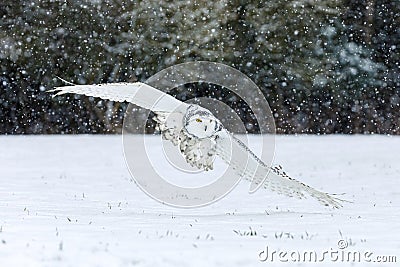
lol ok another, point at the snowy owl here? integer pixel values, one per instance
(200, 136)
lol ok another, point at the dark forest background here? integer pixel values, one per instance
(324, 66)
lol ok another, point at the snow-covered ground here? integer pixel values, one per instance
(69, 201)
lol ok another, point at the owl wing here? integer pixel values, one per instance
(169, 115)
(137, 93)
(251, 168)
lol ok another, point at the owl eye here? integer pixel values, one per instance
(199, 120)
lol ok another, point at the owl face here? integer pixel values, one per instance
(201, 123)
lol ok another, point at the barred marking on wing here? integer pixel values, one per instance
(282, 183)
(250, 167)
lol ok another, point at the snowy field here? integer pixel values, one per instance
(69, 201)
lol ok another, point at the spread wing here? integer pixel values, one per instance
(169, 115)
(137, 93)
(248, 165)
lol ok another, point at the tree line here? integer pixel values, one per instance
(325, 67)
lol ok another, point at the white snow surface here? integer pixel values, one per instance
(70, 201)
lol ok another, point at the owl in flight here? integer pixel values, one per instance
(200, 136)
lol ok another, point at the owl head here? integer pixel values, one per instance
(200, 122)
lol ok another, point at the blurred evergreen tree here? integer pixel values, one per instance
(327, 66)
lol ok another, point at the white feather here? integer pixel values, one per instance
(251, 168)
(137, 93)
